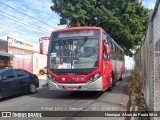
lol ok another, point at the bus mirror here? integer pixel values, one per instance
(107, 51)
(106, 47)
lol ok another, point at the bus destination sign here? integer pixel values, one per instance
(76, 34)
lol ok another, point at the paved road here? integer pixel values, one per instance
(45, 100)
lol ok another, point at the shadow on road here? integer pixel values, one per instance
(11, 97)
(121, 86)
(46, 94)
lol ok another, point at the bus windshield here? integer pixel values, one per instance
(77, 53)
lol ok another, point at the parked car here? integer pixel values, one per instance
(17, 81)
(43, 71)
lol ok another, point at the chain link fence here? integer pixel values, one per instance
(147, 59)
(156, 37)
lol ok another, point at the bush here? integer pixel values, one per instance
(135, 85)
(135, 90)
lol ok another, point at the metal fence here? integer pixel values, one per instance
(147, 59)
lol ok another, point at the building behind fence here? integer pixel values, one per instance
(148, 60)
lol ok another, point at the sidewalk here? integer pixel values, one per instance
(42, 80)
(42, 76)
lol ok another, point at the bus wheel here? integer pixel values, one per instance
(121, 78)
(111, 81)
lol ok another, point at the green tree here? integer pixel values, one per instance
(124, 20)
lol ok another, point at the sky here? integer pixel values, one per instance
(149, 3)
(12, 22)
(39, 9)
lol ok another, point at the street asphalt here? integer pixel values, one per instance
(45, 100)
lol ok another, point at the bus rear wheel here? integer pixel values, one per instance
(121, 78)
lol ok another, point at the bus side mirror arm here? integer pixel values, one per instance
(107, 51)
(106, 57)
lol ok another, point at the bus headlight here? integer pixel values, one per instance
(94, 77)
(51, 78)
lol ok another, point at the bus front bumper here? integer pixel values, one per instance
(89, 86)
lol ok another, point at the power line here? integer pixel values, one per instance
(23, 23)
(12, 30)
(24, 34)
(19, 31)
(28, 15)
(2, 25)
(22, 20)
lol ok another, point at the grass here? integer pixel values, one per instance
(135, 90)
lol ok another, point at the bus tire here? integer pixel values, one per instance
(121, 78)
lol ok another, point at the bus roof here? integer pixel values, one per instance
(78, 28)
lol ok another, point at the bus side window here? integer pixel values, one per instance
(121, 55)
(104, 54)
(111, 49)
(117, 53)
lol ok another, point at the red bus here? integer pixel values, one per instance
(83, 59)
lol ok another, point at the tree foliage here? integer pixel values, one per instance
(124, 20)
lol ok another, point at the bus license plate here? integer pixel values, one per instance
(72, 88)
